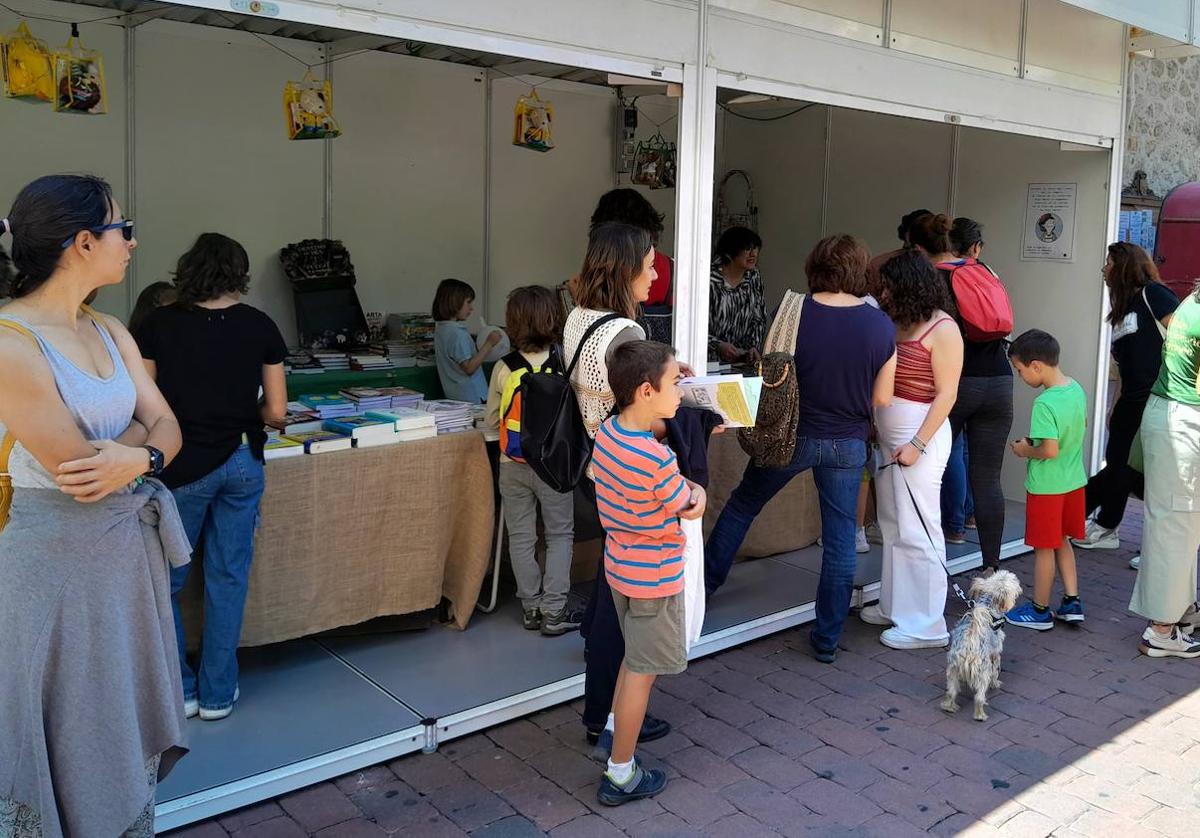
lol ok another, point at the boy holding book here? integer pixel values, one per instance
(641, 496)
(1055, 479)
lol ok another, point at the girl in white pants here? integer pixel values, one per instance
(914, 434)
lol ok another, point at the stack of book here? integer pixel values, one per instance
(365, 431)
(328, 407)
(331, 359)
(450, 416)
(402, 355)
(402, 397)
(369, 362)
(319, 442)
(410, 424)
(279, 447)
(367, 398)
(300, 362)
(297, 420)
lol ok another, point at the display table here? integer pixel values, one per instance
(349, 536)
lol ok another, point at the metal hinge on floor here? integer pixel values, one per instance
(431, 736)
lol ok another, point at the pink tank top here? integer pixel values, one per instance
(914, 367)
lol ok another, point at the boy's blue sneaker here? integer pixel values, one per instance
(1070, 612)
(1026, 616)
(641, 785)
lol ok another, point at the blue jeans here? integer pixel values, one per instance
(837, 466)
(220, 511)
(958, 504)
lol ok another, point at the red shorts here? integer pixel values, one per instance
(1051, 519)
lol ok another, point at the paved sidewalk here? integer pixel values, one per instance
(1086, 738)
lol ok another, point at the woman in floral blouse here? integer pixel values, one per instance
(737, 315)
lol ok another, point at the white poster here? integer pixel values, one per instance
(1050, 222)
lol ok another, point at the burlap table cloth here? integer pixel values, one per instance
(352, 535)
(791, 521)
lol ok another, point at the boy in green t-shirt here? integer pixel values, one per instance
(1055, 479)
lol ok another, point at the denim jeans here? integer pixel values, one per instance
(837, 466)
(220, 512)
(958, 504)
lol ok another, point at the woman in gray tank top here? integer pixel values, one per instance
(93, 712)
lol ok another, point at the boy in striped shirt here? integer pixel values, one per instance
(641, 496)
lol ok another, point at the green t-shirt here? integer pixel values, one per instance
(1058, 413)
(1181, 355)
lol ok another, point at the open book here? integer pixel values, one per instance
(733, 397)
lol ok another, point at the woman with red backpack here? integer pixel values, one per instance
(984, 408)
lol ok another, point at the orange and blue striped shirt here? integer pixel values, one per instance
(639, 493)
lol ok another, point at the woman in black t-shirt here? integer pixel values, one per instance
(210, 353)
(1141, 309)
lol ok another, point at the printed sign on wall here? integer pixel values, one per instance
(1049, 222)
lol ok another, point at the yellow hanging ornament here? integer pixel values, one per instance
(28, 72)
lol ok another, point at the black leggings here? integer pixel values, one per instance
(984, 410)
(603, 643)
(1110, 488)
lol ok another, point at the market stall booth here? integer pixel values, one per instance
(850, 114)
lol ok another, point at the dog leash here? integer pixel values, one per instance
(917, 508)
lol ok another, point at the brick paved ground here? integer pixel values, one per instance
(1087, 738)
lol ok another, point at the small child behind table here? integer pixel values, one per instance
(458, 361)
(534, 320)
(641, 496)
(1055, 479)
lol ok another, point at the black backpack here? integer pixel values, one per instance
(554, 441)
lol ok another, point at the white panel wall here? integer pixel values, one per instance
(38, 141)
(785, 159)
(212, 155)
(408, 176)
(882, 167)
(1063, 299)
(541, 201)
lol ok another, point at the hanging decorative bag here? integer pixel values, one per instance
(726, 217)
(79, 78)
(28, 68)
(533, 122)
(308, 109)
(654, 163)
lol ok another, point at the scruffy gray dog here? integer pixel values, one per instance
(978, 639)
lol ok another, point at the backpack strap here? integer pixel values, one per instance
(1162, 330)
(591, 330)
(515, 360)
(7, 443)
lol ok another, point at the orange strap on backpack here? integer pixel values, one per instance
(6, 445)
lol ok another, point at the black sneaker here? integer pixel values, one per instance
(641, 785)
(652, 728)
(532, 620)
(560, 622)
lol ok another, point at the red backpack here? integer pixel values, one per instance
(982, 301)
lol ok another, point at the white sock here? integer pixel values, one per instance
(621, 772)
(611, 724)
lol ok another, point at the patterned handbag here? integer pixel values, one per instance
(771, 443)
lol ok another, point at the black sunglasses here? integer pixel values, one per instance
(125, 226)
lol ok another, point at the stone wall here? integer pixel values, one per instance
(1163, 132)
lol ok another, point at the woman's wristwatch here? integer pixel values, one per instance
(157, 462)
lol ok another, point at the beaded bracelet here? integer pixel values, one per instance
(917, 443)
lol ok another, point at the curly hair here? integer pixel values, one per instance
(215, 265)
(912, 289)
(838, 264)
(628, 206)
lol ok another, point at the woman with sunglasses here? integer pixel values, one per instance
(210, 354)
(92, 713)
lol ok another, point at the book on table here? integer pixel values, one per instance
(279, 448)
(733, 397)
(361, 427)
(320, 442)
(391, 438)
(405, 418)
(298, 423)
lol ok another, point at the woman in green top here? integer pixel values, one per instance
(1166, 585)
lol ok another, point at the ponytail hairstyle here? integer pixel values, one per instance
(931, 233)
(48, 212)
(614, 260)
(965, 234)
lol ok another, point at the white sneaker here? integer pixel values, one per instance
(893, 638)
(1097, 537)
(1177, 644)
(191, 707)
(860, 541)
(1135, 562)
(872, 615)
(217, 715)
(1191, 619)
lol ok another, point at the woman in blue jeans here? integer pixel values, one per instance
(210, 354)
(845, 366)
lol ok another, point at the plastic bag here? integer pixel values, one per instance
(28, 69)
(533, 122)
(79, 79)
(693, 580)
(654, 163)
(308, 109)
